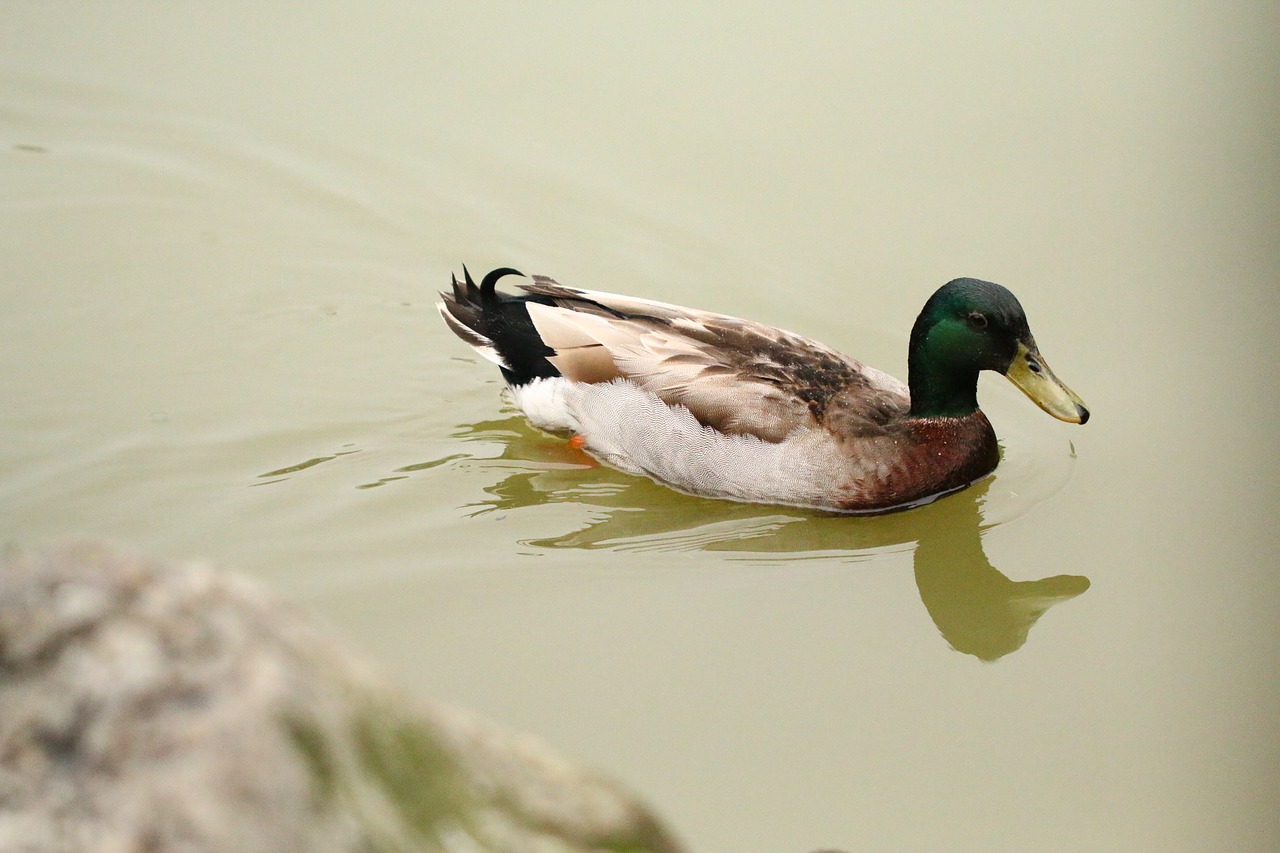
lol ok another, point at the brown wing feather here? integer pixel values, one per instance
(734, 375)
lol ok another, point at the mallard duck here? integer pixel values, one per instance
(721, 407)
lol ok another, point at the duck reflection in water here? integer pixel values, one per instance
(978, 610)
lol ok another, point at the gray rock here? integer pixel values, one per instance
(148, 707)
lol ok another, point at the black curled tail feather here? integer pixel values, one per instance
(497, 325)
(488, 284)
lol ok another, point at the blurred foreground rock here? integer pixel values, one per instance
(146, 707)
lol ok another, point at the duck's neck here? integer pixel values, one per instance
(939, 387)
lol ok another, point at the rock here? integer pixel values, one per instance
(148, 707)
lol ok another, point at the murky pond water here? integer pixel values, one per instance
(222, 228)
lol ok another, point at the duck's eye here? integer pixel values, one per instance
(977, 319)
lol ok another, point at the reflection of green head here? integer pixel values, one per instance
(977, 609)
(968, 326)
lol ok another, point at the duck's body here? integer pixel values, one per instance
(722, 407)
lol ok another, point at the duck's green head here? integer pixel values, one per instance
(968, 326)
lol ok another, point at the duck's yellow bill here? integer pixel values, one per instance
(1031, 373)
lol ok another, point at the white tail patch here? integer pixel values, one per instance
(545, 403)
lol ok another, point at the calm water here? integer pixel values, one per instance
(221, 230)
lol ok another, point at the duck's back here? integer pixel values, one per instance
(736, 376)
